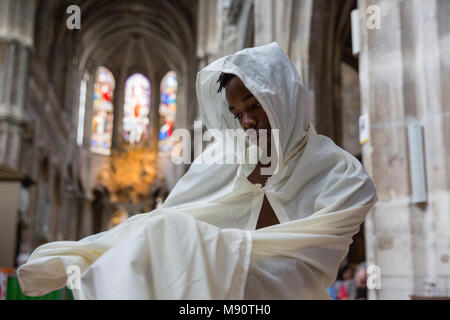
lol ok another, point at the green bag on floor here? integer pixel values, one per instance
(13, 292)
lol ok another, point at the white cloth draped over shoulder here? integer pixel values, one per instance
(202, 242)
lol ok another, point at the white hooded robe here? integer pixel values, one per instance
(202, 242)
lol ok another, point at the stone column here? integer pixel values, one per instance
(155, 96)
(290, 24)
(13, 83)
(118, 103)
(16, 38)
(404, 80)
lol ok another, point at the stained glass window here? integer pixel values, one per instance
(136, 108)
(102, 117)
(167, 110)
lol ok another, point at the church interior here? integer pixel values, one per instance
(92, 90)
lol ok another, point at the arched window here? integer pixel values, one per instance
(167, 110)
(136, 108)
(102, 116)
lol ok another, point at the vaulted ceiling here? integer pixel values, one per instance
(127, 36)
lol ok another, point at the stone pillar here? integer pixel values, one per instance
(10, 188)
(14, 59)
(70, 211)
(118, 103)
(155, 96)
(404, 80)
(209, 29)
(289, 23)
(16, 38)
(182, 115)
(89, 108)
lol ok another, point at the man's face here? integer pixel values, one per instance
(244, 106)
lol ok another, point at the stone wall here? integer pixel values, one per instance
(404, 79)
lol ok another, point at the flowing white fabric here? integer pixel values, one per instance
(202, 242)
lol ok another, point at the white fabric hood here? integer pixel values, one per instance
(202, 242)
(272, 78)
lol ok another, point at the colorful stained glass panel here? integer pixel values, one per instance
(167, 110)
(102, 117)
(136, 108)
